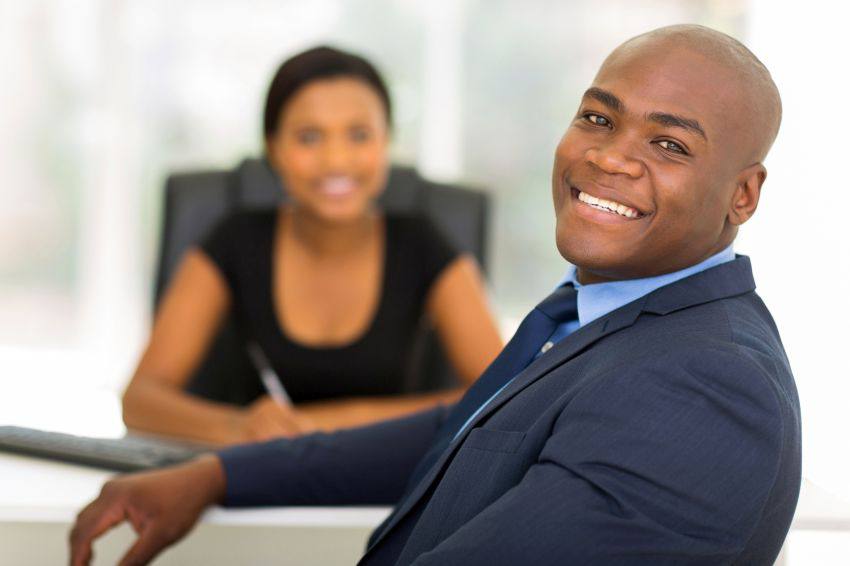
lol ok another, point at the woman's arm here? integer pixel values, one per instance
(186, 322)
(457, 306)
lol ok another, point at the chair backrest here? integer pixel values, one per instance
(196, 201)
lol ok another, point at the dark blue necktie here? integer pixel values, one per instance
(536, 328)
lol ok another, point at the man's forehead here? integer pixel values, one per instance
(650, 73)
(702, 72)
(679, 83)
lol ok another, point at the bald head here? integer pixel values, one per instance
(753, 100)
(673, 130)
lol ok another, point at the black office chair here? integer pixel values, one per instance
(195, 201)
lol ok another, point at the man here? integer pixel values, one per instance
(644, 413)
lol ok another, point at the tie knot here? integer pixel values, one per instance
(561, 305)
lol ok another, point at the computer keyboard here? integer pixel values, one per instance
(126, 454)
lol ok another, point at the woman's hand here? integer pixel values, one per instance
(266, 419)
(162, 506)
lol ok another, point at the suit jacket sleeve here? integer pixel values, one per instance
(670, 462)
(360, 466)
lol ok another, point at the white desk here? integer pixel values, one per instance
(39, 500)
(817, 510)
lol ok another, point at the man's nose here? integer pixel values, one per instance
(615, 159)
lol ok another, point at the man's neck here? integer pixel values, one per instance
(587, 276)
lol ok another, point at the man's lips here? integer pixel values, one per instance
(606, 200)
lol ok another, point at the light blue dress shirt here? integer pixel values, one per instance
(597, 300)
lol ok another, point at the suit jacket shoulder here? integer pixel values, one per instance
(666, 432)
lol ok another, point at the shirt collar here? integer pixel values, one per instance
(598, 299)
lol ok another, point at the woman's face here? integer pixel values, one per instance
(330, 148)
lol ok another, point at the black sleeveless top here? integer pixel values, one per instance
(374, 363)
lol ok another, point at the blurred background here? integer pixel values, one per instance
(101, 100)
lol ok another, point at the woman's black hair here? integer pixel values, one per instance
(314, 64)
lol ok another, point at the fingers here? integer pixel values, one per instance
(95, 519)
(268, 419)
(153, 538)
(268, 428)
(160, 505)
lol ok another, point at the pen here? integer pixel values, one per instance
(269, 377)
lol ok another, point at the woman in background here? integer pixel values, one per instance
(330, 288)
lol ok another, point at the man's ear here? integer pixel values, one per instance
(745, 198)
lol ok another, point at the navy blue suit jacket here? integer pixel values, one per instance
(667, 432)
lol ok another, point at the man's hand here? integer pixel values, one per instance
(162, 506)
(266, 419)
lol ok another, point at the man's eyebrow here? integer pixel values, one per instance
(610, 100)
(675, 121)
(606, 98)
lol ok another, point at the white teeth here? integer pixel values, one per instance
(608, 205)
(339, 185)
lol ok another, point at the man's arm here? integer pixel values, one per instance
(670, 464)
(368, 465)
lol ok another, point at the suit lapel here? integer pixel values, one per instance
(726, 280)
(561, 353)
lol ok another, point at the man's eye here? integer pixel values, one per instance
(597, 120)
(672, 146)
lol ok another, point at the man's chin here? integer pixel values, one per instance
(608, 262)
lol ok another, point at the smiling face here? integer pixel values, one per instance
(658, 167)
(330, 148)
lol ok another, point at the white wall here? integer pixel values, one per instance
(800, 237)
